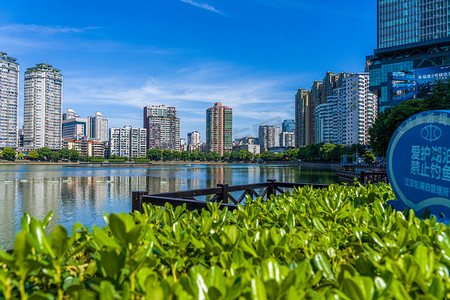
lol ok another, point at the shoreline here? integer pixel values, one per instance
(306, 164)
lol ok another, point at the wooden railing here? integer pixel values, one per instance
(364, 177)
(222, 193)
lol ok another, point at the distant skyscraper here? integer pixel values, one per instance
(42, 107)
(163, 127)
(97, 127)
(73, 127)
(303, 118)
(9, 101)
(193, 138)
(413, 49)
(288, 126)
(219, 129)
(287, 139)
(269, 136)
(70, 114)
(127, 142)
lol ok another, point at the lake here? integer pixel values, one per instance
(83, 193)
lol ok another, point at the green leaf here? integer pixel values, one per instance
(322, 263)
(38, 238)
(118, 228)
(107, 291)
(47, 219)
(359, 288)
(101, 239)
(111, 263)
(437, 288)
(59, 240)
(21, 247)
(232, 233)
(258, 289)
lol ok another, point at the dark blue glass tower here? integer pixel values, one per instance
(413, 49)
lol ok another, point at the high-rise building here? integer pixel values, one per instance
(413, 49)
(287, 139)
(9, 101)
(73, 127)
(163, 127)
(219, 129)
(69, 114)
(303, 118)
(193, 141)
(269, 137)
(325, 113)
(288, 126)
(128, 142)
(193, 138)
(42, 107)
(348, 114)
(138, 142)
(97, 127)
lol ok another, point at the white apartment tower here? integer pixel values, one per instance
(128, 141)
(9, 101)
(193, 138)
(97, 127)
(42, 107)
(269, 136)
(361, 109)
(348, 114)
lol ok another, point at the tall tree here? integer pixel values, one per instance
(33, 155)
(154, 154)
(8, 153)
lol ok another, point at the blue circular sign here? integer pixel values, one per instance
(418, 162)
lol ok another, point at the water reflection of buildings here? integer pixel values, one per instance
(8, 207)
(218, 174)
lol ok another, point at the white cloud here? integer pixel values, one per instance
(41, 29)
(19, 38)
(254, 98)
(202, 5)
(202, 87)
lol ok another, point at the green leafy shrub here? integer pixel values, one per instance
(117, 160)
(337, 243)
(94, 159)
(141, 160)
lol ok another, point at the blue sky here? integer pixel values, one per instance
(252, 55)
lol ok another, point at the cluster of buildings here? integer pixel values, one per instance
(339, 109)
(413, 52)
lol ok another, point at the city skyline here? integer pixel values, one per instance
(228, 54)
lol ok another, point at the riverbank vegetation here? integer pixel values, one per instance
(342, 242)
(315, 152)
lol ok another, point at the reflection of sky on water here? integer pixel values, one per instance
(83, 194)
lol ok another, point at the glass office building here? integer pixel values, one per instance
(413, 36)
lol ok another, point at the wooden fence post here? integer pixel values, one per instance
(224, 192)
(271, 189)
(136, 202)
(362, 178)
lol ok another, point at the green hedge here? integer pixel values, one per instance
(337, 243)
(93, 159)
(141, 159)
(117, 160)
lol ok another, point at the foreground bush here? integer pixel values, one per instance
(337, 243)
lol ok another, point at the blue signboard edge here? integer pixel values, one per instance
(400, 204)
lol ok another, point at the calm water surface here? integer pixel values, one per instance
(83, 194)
